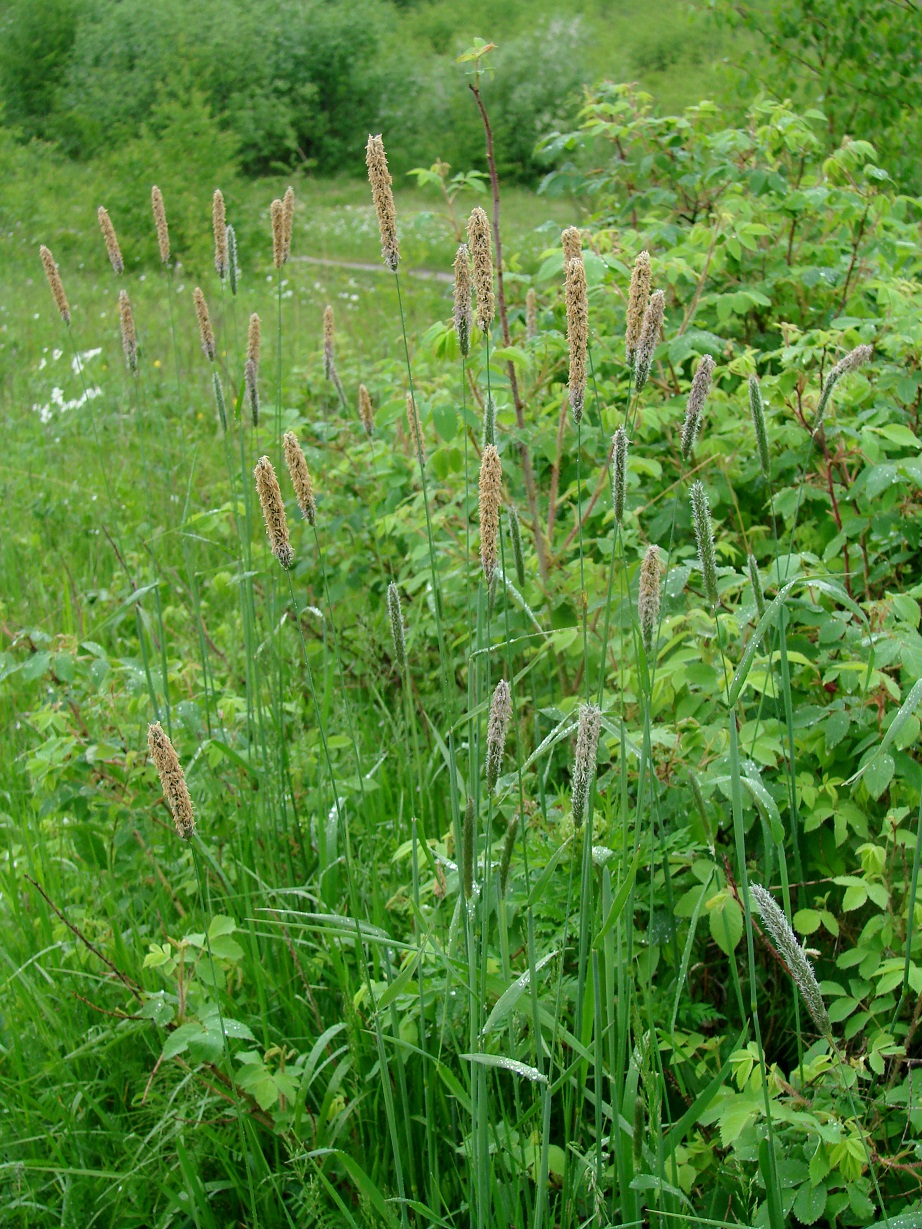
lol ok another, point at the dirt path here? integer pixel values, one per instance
(361, 266)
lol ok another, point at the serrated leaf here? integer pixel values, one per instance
(810, 1203)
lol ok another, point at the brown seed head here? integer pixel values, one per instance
(637, 299)
(129, 338)
(463, 300)
(577, 299)
(531, 314)
(253, 339)
(491, 486)
(383, 198)
(172, 781)
(481, 248)
(277, 214)
(648, 598)
(112, 248)
(219, 226)
(288, 219)
(497, 726)
(328, 340)
(698, 394)
(300, 477)
(55, 283)
(366, 411)
(270, 498)
(416, 434)
(205, 331)
(572, 243)
(163, 233)
(585, 761)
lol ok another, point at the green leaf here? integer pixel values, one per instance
(907, 708)
(545, 877)
(507, 1064)
(806, 921)
(810, 1203)
(620, 900)
(726, 921)
(506, 1002)
(445, 420)
(178, 1040)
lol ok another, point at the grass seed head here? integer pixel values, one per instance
(383, 199)
(300, 477)
(491, 484)
(254, 338)
(398, 635)
(515, 536)
(620, 444)
(270, 499)
(416, 431)
(172, 780)
(584, 760)
(497, 728)
(55, 284)
(463, 299)
(480, 243)
(648, 599)
(366, 411)
(205, 331)
(577, 299)
(219, 398)
(648, 339)
(704, 535)
(638, 298)
(531, 314)
(698, 394)
(251, 386)
(129, 337)
(329, 336)
(219, 226)
(277, 216)
(757, 410)
(794, 956)
(288, 221)
(232, 271)
(851, 362)
(572, 242)
(467, 851)
(112, 249)
(163, 231)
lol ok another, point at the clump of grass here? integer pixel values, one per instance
(113, 251)
(270, 500)
(395, 618)
(757, 410)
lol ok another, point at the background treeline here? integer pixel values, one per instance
(297, 83)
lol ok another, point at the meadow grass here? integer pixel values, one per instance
(404, 974)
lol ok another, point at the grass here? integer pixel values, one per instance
(304, 1017)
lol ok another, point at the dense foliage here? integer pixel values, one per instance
(574, 1041)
